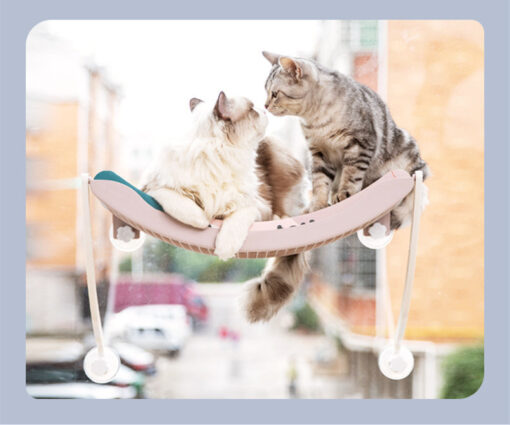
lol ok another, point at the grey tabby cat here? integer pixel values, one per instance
(351, 134)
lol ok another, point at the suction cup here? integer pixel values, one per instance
(379, 236)
(394, 364)
(101, 369)
(125, 239)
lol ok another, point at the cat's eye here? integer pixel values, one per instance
(274, 94)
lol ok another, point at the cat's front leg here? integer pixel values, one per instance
(180, 207)
(322, 177)
(233, 232)
(351, 182)
(357, 156)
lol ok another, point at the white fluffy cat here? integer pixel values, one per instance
(212, 173)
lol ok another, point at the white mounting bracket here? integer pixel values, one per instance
(101, 363)
(396, 361)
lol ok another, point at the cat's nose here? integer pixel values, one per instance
(266, 105)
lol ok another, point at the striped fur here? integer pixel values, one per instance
(351, 134)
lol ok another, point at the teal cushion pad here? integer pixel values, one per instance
(110, 175)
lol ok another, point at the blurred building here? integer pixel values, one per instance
(70, 129)
(431, 74)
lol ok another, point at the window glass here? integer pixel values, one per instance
(109, 95)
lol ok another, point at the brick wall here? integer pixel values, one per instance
(435, 91)
(51, 213)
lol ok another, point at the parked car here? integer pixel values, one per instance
(57, 361)
(162, 328)
(64, 373)
(135, 357)
(79, 390)
(161, 289)
(132, 356)
(197, 309)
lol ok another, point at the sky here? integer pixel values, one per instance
(160, 65)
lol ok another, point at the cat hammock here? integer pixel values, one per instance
(366, 212)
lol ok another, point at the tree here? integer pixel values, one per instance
(463, 372)
(160, 257)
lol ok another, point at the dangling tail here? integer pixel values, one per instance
(268, 293)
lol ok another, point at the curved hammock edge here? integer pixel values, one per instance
(266, 238)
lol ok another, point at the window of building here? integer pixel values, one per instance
(356, 264)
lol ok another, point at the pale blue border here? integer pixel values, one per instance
(489, 405)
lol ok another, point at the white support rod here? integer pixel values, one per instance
(381, 318)
(91, 275)
(411, 260)
(390, 321)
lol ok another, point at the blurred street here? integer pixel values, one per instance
(256, 366)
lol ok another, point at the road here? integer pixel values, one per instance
(256, 366)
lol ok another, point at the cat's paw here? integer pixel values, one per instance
(227, 245)
(316, 205)
(196, 219)
(340, 196)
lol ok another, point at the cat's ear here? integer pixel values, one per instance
(222, 108)
(290, 66)
(271, 57)
(193, 102)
